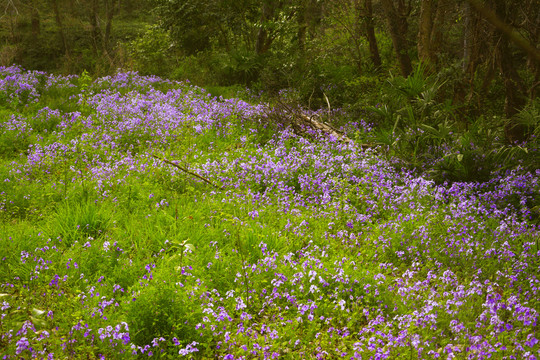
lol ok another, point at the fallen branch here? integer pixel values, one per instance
(298, 118)
(189, 172)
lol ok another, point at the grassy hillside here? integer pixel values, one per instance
(266, 245)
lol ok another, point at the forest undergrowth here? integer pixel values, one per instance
(280, 246)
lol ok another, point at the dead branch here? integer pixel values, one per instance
(189, 172)
(300, 122)
(327, 102)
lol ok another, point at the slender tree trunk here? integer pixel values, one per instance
(317, 12)
(471, 57)
(301, 19)
(264, 40)
(110, 8)
(425, 27)
(94, 23)
(398, 26)
(357, 55)
(60, 26)
(437, 29)
(534, 35)
(370, 33)
(358, 33)
(467, 37)
(430, 29)
(353, 26)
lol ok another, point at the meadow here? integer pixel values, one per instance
(259, 244)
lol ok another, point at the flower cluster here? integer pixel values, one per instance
(302, 248)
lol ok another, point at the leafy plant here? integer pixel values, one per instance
(309, 247)
(152, 52)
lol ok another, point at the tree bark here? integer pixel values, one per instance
(94, 23)
(430, 29)
(533, 30)
(471, 58)
(60, 26)
(110, 9)
(398, 26)
(437, 29)
(301, 19)
(264, 40)
(467, 37)
(370, 34)
(425, 26)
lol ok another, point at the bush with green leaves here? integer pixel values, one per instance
(152, 53)
(423, 130)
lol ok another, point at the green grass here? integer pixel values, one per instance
(309, 248)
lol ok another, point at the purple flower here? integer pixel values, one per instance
(22, 344)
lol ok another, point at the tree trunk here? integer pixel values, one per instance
(94, 23)
(264, 40)
(397, 25)
(301, 19)
(471, 59)
(111, 6)
(430, 29)
(60, 26)
(534, 35)
(467, 37)
(437, 29)
(425, 27)
(370, 34)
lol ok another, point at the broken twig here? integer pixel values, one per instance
(189, 172)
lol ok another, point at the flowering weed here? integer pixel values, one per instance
(305, 248)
